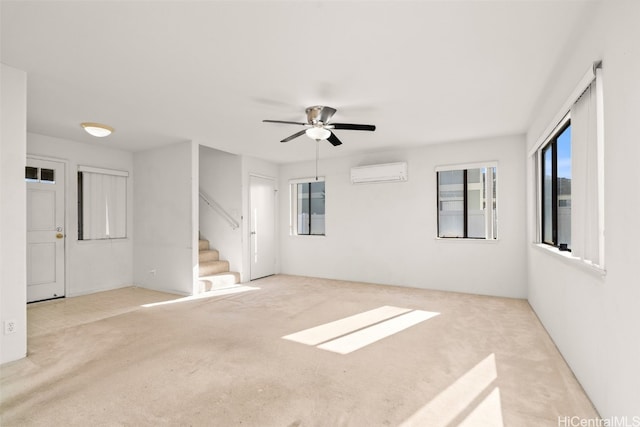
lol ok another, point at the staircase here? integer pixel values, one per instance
(214, 273)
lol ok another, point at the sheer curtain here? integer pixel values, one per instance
(587, 157)
(104, 209)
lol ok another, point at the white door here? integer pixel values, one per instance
(45, 229)
(263, 226)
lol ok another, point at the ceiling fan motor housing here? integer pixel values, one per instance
(319, 114)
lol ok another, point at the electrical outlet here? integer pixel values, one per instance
(9, 327)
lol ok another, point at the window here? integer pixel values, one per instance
(556, 189)
(467, 202)
(42, 175)
(102, 204)
(307, 207)
(568, 160)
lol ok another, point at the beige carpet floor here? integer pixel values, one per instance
(454, 359)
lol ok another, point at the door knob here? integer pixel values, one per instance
(59, 236)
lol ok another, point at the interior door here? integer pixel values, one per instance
(263, 226)
(45, 229)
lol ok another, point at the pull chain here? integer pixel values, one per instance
(317, 156)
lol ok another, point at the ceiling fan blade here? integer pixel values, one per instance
(333, 139)
(295, 135)
(351, 126)
(285, 122)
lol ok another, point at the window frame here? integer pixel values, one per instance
(551, 143)
(493, 193)
(293, 206)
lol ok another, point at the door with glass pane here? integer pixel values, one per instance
(45, 229)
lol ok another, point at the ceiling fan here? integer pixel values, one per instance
(318, 126)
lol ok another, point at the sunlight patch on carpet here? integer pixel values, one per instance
(331, 330)
(204, 295)
(461, 397)
(360, 330)
(367, 336)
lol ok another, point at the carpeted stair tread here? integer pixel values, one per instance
(219, 281)
(213, 272)
(213, 267)
(208, 255)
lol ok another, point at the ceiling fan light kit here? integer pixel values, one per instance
(318, 133)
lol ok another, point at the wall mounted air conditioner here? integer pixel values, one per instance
(388, 172)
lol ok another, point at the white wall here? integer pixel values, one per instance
(92, 265)
(13, 212)
(594, 320)
(258, 167)
(386, 233)
(221, 178)
(164, 218)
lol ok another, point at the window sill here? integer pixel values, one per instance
(569, 259)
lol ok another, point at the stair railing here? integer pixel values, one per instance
(218, 209)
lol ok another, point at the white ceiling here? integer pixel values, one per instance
(209, 71)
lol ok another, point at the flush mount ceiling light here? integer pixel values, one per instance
(97, 129)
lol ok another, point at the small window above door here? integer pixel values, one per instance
(43, 175)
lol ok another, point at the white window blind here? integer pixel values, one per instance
(587, 226)
(103, 210)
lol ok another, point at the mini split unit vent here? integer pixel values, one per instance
(389, 172)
